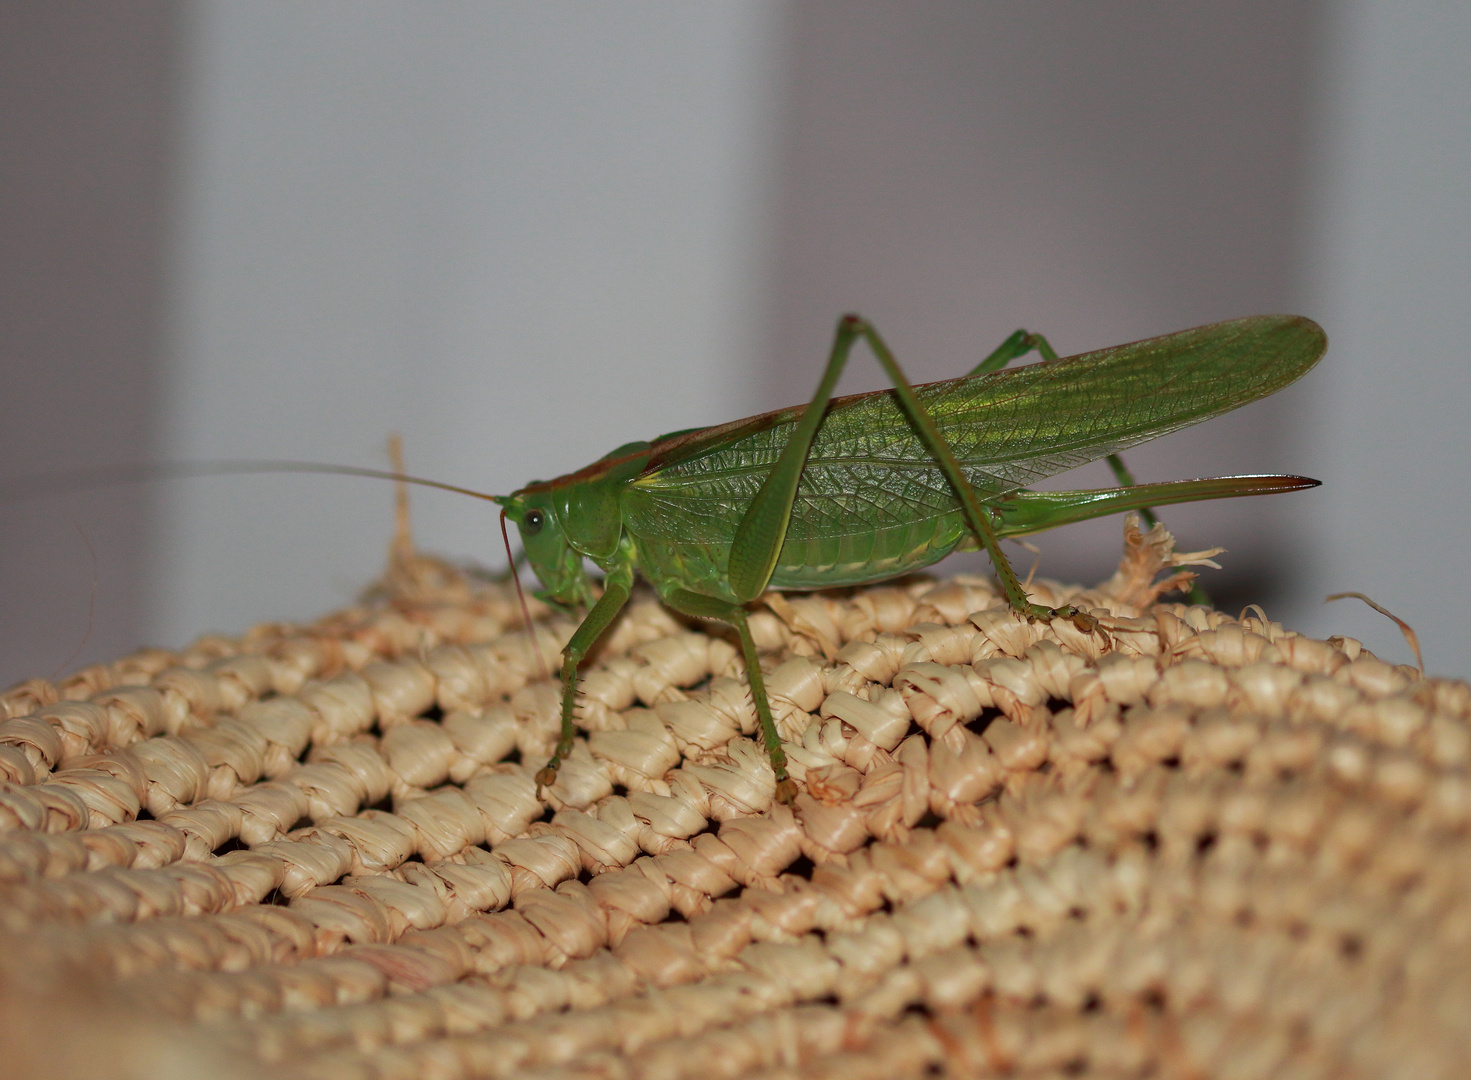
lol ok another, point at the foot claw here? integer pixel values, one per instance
(786, 791)
(1082, 620)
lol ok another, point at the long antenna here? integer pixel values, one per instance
(66, 483)
(78, 480)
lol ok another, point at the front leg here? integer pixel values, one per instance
(616, 590)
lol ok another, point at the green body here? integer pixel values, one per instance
(853, 490)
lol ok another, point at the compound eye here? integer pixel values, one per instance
(532, 523)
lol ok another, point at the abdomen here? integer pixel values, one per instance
(835, 558)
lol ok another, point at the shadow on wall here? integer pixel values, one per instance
(85, 122)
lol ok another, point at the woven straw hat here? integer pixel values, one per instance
(1186, 846)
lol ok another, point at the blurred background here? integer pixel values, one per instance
(523, 234)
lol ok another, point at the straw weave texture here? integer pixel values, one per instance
(1185, 846)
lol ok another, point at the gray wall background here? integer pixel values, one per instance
(522, 234)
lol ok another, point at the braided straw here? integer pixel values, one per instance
(1184, 846)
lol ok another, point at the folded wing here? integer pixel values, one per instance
(868, 471)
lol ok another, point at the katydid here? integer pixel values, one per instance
(854, 490)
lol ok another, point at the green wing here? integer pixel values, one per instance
(868, 472)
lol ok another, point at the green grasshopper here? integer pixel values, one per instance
(853, 490)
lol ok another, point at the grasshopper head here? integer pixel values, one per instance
(557, 565)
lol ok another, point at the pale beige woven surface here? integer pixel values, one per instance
(1187, 846)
